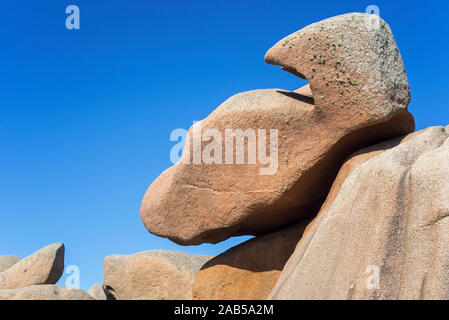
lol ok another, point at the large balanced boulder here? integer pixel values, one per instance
(383, 231)
(44, 292)
(7, 262)
(152, 275)
(249, 270)
(45, 266)
(221, 189)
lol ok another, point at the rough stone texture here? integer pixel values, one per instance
(101, 292)
(361, 94)
(44, 292)
(152, 275)
(348, 63)
(250, 270)
(387, 208)
(7, 262)
(45, 266)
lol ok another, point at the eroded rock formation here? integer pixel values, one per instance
(360, 97)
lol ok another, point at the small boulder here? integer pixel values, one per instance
(45, 266)
(101, 292)
(152, 275)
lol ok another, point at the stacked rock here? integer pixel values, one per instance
(34, 277)
(348, 203)
(357, 96)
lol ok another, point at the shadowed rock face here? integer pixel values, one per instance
(360, 97)
(152, 275)
(388, 210)
(45, 266)
(44, 292)
(249, 270)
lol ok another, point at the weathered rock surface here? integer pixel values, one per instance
(151, 275)
(7, 262)
(45, 266)
(387, 210)
(44, 292)
(361, 95)
(348, 63)
(250, 270)
(101, 292)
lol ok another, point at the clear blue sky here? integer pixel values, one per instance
(85, 115)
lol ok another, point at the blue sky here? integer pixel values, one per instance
(86, 115)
